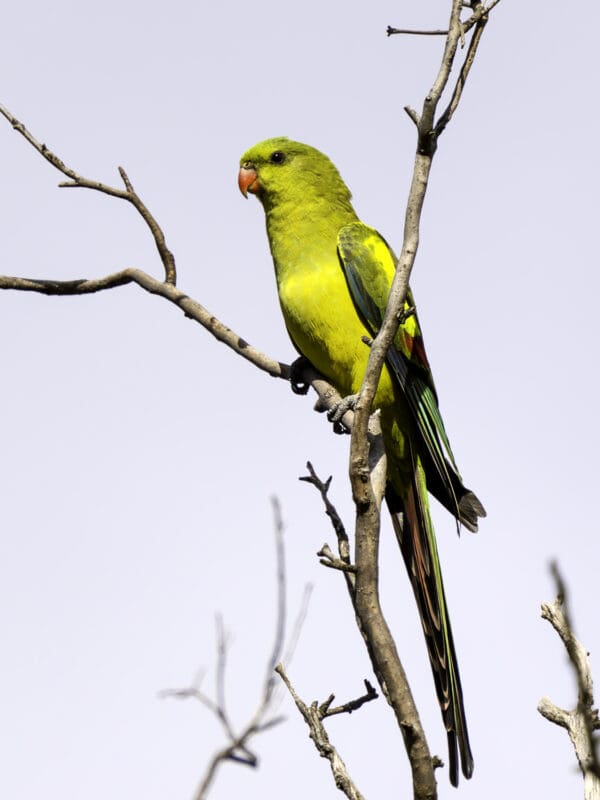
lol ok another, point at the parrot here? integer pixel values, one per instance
(333, 275)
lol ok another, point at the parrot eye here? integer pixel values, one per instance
(277, 157)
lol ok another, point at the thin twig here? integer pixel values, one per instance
(220, 672)
(191, 308)
(478, 10)
(78, 181)
(279, 640)
(391, 31)
(338, 526)
(313, 716)
(328, 559)
(237, 748)
(372, 623)
(479, 20)
(298, 623)
(328, 397)
(352, 705)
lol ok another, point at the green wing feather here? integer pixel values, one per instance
(369, 265)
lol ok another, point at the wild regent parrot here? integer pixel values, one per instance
(333, 278)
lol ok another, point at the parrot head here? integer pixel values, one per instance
(279, 170)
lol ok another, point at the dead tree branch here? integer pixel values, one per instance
(352, 705)
(78, 181)
(191, 308)
(478, 11)
(237, 747)
(313, 716)
(410, 32)
(371, 621)
(328, 559)
(582, 721)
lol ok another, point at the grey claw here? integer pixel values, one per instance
(337, 412)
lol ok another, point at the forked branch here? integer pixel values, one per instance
(238, 746)
(371, 621)
(313, 715)
(78, 181)
(581, 722)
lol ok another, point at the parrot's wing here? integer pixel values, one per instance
(369, 265)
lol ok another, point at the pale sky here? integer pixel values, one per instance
(138, 455)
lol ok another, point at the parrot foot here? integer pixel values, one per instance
(297, 380)
(406, 313)
(337, 412)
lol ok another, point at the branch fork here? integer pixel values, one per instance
(582, 721)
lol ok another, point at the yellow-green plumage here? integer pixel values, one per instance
(333, 278)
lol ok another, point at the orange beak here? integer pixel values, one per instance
(248, 179)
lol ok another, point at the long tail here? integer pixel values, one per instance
(414, 530)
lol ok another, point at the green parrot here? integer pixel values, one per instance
(333, 277)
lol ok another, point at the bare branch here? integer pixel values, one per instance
(298, 623)
(582, 721)
(191, 308)
(328, 397)
(330, 510)
(479, 20)
(374, 629)
(391, 31)
(351, 705)
(237, 748)
(313, 716)
(328, 559)
(78, 181)
(279, 640)
(221, 669)
(371, 621)
(477, 7)
(413, 115)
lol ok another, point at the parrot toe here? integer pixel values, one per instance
(335, 415)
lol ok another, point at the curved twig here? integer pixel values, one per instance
(313, 716)
(191, 308)
(78, 181)
(237, 748)
(367, 493)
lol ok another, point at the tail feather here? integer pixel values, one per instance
(414, 530)
(470, 509)
(461, 502)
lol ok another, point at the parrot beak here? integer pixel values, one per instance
(248, 179)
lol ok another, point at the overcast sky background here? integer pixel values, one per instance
(138, 455)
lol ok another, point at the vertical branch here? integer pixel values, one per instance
(371, 621)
